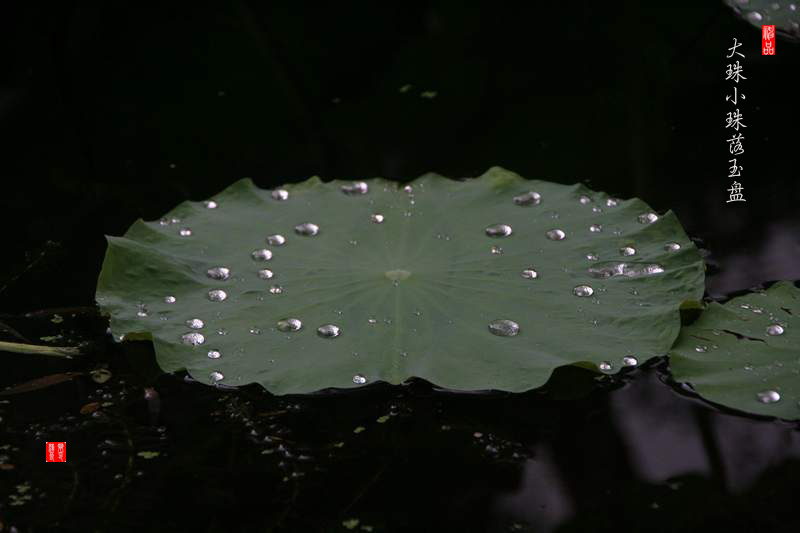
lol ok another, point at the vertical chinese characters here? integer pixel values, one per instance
(735, 121)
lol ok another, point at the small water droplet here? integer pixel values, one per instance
(307, 228)
(672, 247)
(359, 379)
(591, 257)
(185, 232)
(217, 295)
(701, 349)
(556, 235)
(768, 396)
(596, 209)
(276, 240)
(254, 331)
(499, 230)
(647, 218)
(376, 218)
(164, 221)
(214, 354)
(276, 289)
(328, 331)
(408, 189)
(262, 254)
(748, 367)
(630, 360)
(528, 199)
(265, 273)
(595, 228)
(357, 187)
(530, 273)
(612, 202)
(584, 199)
(775, 329)
(496, 250)
(627, 250)
(193, 338)
(583, 290)
(222, 331)
(219, 273)
(605, 366)
(371, 320)
(289, 325)
(170, 299)
(504, 327)
(280, 194)
(195, 323)
(141, 312)
(216, 376)
(755, 16)
(210, 204)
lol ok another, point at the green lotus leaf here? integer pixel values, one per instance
(745, 354)
(487, 283)
(784, 15)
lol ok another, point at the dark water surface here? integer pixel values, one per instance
(109, 114)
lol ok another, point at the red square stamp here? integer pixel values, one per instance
(56, 452)
(768, 40)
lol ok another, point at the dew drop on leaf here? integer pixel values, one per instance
(504, 327)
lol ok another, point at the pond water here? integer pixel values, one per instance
(111, 114)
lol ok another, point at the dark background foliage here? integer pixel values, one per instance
(113, 111)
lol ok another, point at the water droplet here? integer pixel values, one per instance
(556, 235)
(214, 354)
(280, 194)
(647, 218)
(376, 218)
(591, 257)
(276, 240)
(141, 311)
(768, 396)
(630, 360)
(170, 299)
(261, 254)
(595, 228)
(498, 230)
(289, 325)
(528, 199)
(328, 331)
(408, 189)
(216, 376)
(372, 321)
(754, 16)
(775, 329)
(210, 204)
(254, 331)
(164, 221)
(194, 338)
(306, 228)
(627, 250)
(584, 199)
(222, 331)
(672, 247)
(605, 366)
(496, 250)
(748, 367)
(217, 295)
(504, 327)
(701, 349)
(195, 323)
(219, 273)
(530, 273)
(357, 187)
(583, 290)
(359, 379)
(612, 202)
(596, 209)
(276, 289)
(185, 232)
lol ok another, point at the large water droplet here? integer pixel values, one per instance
(504, 327)
(528, 199)
(408, 188)
(217, 295)
(595, 228)
(262, 254)
(701, 348)
(583, 290)
(498, 230)
(170, 299)
(195, 323)
(276, 240)
(672, 247)
(280, 194)
(359, 379)
(612, 202)
(216, 376)
(496, 250)
(210, 204)
(193, 338)
(530, 273)
(775, 329)
(584, 199)
(754, 16)
(627, 250)
(357, 187)
(630, 270)
(214, 354)
(376, 218)
(605, 366)
(630, 360)
(265, 273)
(289, 325)
(185, 232)
(768, 396)
(276, 289)
(328, 331)
(647, 218)
(219, 273)
(306, 228)
(556, 235)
